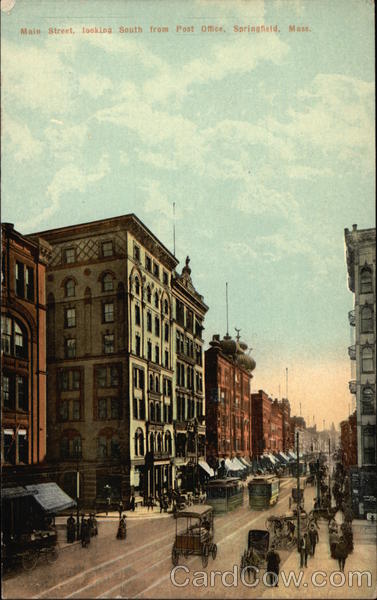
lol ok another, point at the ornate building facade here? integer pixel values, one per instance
(23, 352)
(361, 265)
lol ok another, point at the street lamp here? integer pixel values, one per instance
(107, 489)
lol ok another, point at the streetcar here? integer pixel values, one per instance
(224, 495)
(263, 492)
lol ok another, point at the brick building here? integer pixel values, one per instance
(285, 409)
(261, 407)
(228, 372)
(348, 441)
(23, 352)
(276, 435)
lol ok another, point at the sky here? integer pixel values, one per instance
(263, 140)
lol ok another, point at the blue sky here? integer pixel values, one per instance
(265, 142)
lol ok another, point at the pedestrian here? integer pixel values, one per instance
(120, 509)
(71, 529)
(85, 533)
(132, 502)
(93, 526)
(161, 503)
(341, 553)
(304, 549)
(313, 537)
(81, 524)
(273, 566)
(122, 529)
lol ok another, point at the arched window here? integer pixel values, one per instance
(14, 340)
(168, 446)
(366, 319)
(366, 280)
(367, 359)
(137, 286)
(166, 307)
(159, 442)
(367, 401)
(156, 299)
(151, 381)
(107, 283)
(70, 288)
(149, 294)
(114, 447)
(139, 442)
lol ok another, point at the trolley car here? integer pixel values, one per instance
(263, 492)
(224, 495)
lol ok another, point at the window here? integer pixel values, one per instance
(107, 283)
(149, 350)
(148, 263)
(139, 442)
(369, 444)
(157, 326)
(23, 449)
(8, 401)
(13, 337)
(70, 288)
(22, 392)
(69, 255)
(157, 384)
(149, 294)
(180, 313)
(166, 307)
(367, 401)
(137, 314)
(156, 300)
(141, 409)
(166, 359)
(157, 354)
(366, 319)
(101, 447)
(165, 278)
(63, 410)
(76, 410)
(70, 317)
(108, 343)
(102, 408)
(136, 252)
(70, 445)
(156, 270)
(108, 312)
(30, 283)
(149, 321)
(69, 379)
(138, 378)
(189, 320)
(166, 333)
(15, 392)
(107, 249)
(107, 376)
(20, 279)
(137, 345)
(70, 348)
(115, 408)
(114, 447)
(168, 444)
(9, 446)
(366, 280)
(367, 359)
(137, 286)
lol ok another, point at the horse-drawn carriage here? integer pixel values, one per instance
(255, 556)
(27, 548)
(282, 529)
(194, 534)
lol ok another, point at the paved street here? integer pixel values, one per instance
(141, 566)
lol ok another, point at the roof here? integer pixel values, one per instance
(223, 482)
(15, 492)
(51, 497)
(196, 511)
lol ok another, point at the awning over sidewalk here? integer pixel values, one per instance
(284, 458)
(245, 462)
(15, 492)
(292, 454)
(205, 466)
(273, 459)
(51, 497)
(238, 464)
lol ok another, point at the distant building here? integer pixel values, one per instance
(228, 372)
(276, 434)
(361, 266)
(261, 423)
(286, 416)
(348, 441)
(23, 353)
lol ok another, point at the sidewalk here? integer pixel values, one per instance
(325, 584)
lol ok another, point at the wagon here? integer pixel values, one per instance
(194, 534)
(27, 548)
(255, 556)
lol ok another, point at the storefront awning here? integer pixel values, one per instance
(238, 464)
(205, 466)
(51, 497)
(15, 492)
(292, 454)
(245, 462)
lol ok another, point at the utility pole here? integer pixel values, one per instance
(77, 502)
(329, 475)
(298, 490)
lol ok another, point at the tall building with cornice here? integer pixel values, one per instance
(110, 346)
(361, 265)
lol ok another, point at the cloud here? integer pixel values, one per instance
(95, 85)
(69, 178)
(65, 142)
(157, 160)
(307, 172)
(23, 146)
(157, 200)
(257, 199)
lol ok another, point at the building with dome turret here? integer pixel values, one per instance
(228, 373)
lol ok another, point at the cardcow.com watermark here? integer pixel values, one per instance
(250, 577)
